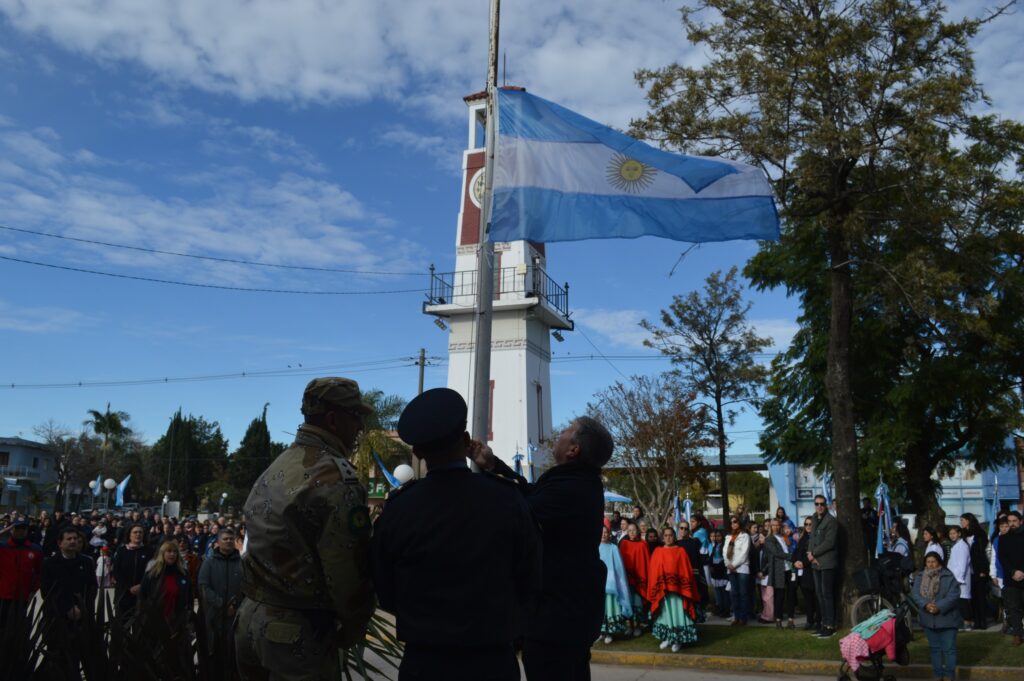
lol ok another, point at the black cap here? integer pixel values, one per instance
(433, 416)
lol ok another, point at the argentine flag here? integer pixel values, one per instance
(562, 177)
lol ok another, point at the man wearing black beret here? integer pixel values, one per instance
(455, 555)
(568, 503)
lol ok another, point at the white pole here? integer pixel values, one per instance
(485, 276)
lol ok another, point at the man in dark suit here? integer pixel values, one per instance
(454, 556)
(568, 503)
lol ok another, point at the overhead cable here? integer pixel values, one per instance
(222, 287)
(214, 258)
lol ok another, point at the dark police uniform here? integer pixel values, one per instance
(455, 557)
(568, 503)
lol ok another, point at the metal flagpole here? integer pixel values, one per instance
(484, 277)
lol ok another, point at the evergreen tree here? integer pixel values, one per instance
(255, 453)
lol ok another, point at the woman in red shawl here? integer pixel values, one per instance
(636, 559)
(672, 592)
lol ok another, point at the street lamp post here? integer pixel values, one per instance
(109, 484)
(223, 498)
(163, 509)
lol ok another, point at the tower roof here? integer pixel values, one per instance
(477, 96)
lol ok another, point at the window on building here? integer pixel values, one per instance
(5, 458)
(35, 462)
(970, 474)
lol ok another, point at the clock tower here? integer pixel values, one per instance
(529, 307)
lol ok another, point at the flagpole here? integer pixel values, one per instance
(485, 276)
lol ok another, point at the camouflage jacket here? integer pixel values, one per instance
(308, 531)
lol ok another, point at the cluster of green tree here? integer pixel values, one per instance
(902, 236)
(192, 461)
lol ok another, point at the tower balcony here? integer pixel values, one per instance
(521, 287)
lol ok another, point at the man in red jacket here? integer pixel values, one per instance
(21, 564)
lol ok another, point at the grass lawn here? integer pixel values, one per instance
(973, 648)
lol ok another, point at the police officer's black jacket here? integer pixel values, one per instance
(455, 557)
(568, 504)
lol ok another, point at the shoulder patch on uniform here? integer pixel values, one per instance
(359, 520)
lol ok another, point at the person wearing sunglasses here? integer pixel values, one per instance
(821, 554)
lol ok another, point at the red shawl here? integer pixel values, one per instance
(671, 572)
(636, 560)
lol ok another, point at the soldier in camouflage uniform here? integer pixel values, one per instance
(305, 573)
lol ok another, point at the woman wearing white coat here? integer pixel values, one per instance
(737, 562)
(960, 565)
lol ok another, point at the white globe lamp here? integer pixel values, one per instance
(404, 473)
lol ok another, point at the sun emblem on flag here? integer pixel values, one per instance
(630, 175)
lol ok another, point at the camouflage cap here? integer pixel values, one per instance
(322, 394)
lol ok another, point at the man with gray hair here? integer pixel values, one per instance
(568, 504)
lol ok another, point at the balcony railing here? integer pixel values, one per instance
(510, 283)
(23, 472)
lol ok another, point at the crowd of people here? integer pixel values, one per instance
(750, 569)
(76, 564)
(676, 579)
(474, 567)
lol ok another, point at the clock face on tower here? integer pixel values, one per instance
(476, 188)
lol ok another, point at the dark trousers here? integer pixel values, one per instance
(811, 605)
(980, 588)
(784, 600)
(549, 661)
(450, 663)
(739, 588)
(825, 590)
(1013, 607)
(966, 611)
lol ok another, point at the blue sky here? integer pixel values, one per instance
(325, 134)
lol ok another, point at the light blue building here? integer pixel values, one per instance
(24, 464)
(966, 491)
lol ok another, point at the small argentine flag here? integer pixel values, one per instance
(562, 177)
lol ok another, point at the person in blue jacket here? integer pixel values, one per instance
(936, 593)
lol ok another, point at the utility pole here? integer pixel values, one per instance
(422, 362)
(484, 278)
(170, 455)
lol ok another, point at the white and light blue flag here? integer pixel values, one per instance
(98, 489)
(388, 475)
(121, 487)
(562, 177)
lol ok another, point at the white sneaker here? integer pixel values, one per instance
(675, 647)
(607, 640)
(664, 644)
(638, 632)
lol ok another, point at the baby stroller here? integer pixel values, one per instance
(865, 648)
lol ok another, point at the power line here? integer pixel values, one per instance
(214, 258)
(601, 353)
(352, 367)
(223, 287)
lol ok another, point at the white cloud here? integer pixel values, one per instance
(40, 319)
(425, 55)
(5, 121)
(290, 218)
(620, 327)
(442, 150)
(781, 331)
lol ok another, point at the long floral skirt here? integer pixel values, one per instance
(641, 609)
(615, 622)
(672, 623)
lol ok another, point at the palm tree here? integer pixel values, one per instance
(375, 437)
(110, 425)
